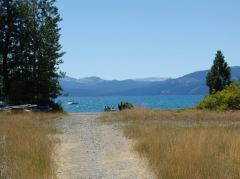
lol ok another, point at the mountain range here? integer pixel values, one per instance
(190, 84)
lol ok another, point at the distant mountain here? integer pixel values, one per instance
(152, 79)
(190, 84)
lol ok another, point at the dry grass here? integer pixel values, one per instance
(185, 144)
(26, 146)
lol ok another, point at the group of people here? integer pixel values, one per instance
(109, 108)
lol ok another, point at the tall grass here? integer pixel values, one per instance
(26, 147)
(185, 144)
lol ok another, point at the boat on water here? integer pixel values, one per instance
(109, 109)
(72, 103)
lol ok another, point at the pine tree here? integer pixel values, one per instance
(18, 92)
(220, 74)
(8, 42)
(30, 51)
(48, 53)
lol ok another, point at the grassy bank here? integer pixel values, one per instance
(185, 144)
(26, 145)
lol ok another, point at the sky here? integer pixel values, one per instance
(124, 39)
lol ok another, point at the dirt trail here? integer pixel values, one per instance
(93, 149)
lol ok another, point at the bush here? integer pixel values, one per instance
(227, 99)
(56, 107)
(124, 105)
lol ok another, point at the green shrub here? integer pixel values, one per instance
(124, 105)
(227, 99)
(56, 107)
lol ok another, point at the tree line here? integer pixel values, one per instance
(30, 52)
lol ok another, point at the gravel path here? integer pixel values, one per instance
(93, 149)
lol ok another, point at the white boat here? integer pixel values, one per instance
(72, 103)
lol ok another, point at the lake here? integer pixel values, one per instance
(97, 104)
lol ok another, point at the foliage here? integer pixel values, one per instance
(56, 107)
(30, 52)
(220, 74)
(124, 105)
(227, 99)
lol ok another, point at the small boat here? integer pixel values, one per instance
(72, 103)
(109, 109)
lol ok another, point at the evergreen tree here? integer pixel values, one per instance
(30, 52)
(19, 81)
(220, 74)
(48, 52)
(8, 42)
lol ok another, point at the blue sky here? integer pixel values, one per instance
(122, 39)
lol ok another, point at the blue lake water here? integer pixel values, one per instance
(96, 104)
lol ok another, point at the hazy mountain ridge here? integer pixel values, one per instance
(193, 83)
(151, 79)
